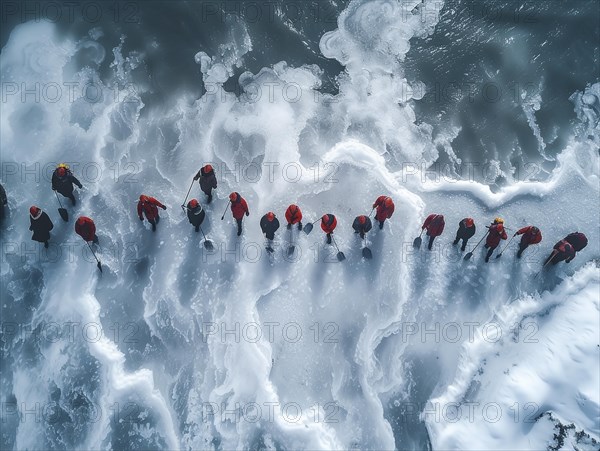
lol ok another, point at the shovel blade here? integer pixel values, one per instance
(64, 214)
(291, 250)
(417, 242)
(99, 265)
(208, 245)
(499, 255)
(270, 250)
(308, 228)
(366, 253)
(340, 256)
(468, 255)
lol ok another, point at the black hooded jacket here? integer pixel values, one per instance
(64, 185)
(41, 227)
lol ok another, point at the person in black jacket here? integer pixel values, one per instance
(362, 224)
(269, 225)
(63, 180)
(466, 229)
(3, 202)
(40, 224)
(195, 214)
(208, 181)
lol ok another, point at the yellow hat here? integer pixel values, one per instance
(63, 165)
(499, 220)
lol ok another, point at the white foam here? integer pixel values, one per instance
(368, 303)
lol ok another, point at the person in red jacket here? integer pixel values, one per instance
(293, 215)
(239, 208)
(385, 209)
(563, 250)
(328, 225)
(208, 181)
(531, 235)
(148, 206)
(578, 240)
(435, 226)
(86, 229)
(496, 233)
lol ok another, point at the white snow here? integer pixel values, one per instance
(354, 355)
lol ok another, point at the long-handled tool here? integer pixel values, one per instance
(340, 255)
(64, 214)
(554, 253)
(292, 246)
(223, 217)
(500, 254)
(366, 252)
(208, 244)
(418, 240)
(187, 195)
(99, 265)
(308, 227)
(470, 254)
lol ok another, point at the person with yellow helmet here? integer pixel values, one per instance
(63, 180)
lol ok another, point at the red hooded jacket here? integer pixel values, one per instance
(329, 224)
(528, 236)
(495, 234)
(85, 228)
(293, 214)
(565, 250)
(383, 212)
(148, 205)
(578, 240)
(434, 225)
(239, 207)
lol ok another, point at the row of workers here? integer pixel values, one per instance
(63, 182)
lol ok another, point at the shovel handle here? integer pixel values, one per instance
(94, 254)
(203, 233)
(507, 244)
(58, 198)
(223, 217)
(188, 193)
(333, 239)
(546, 264)
(480, 241)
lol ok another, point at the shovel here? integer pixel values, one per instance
(64, 214)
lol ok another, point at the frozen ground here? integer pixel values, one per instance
(409, 350)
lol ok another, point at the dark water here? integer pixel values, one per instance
(487, 62)
(183, 28)
(485, 56)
